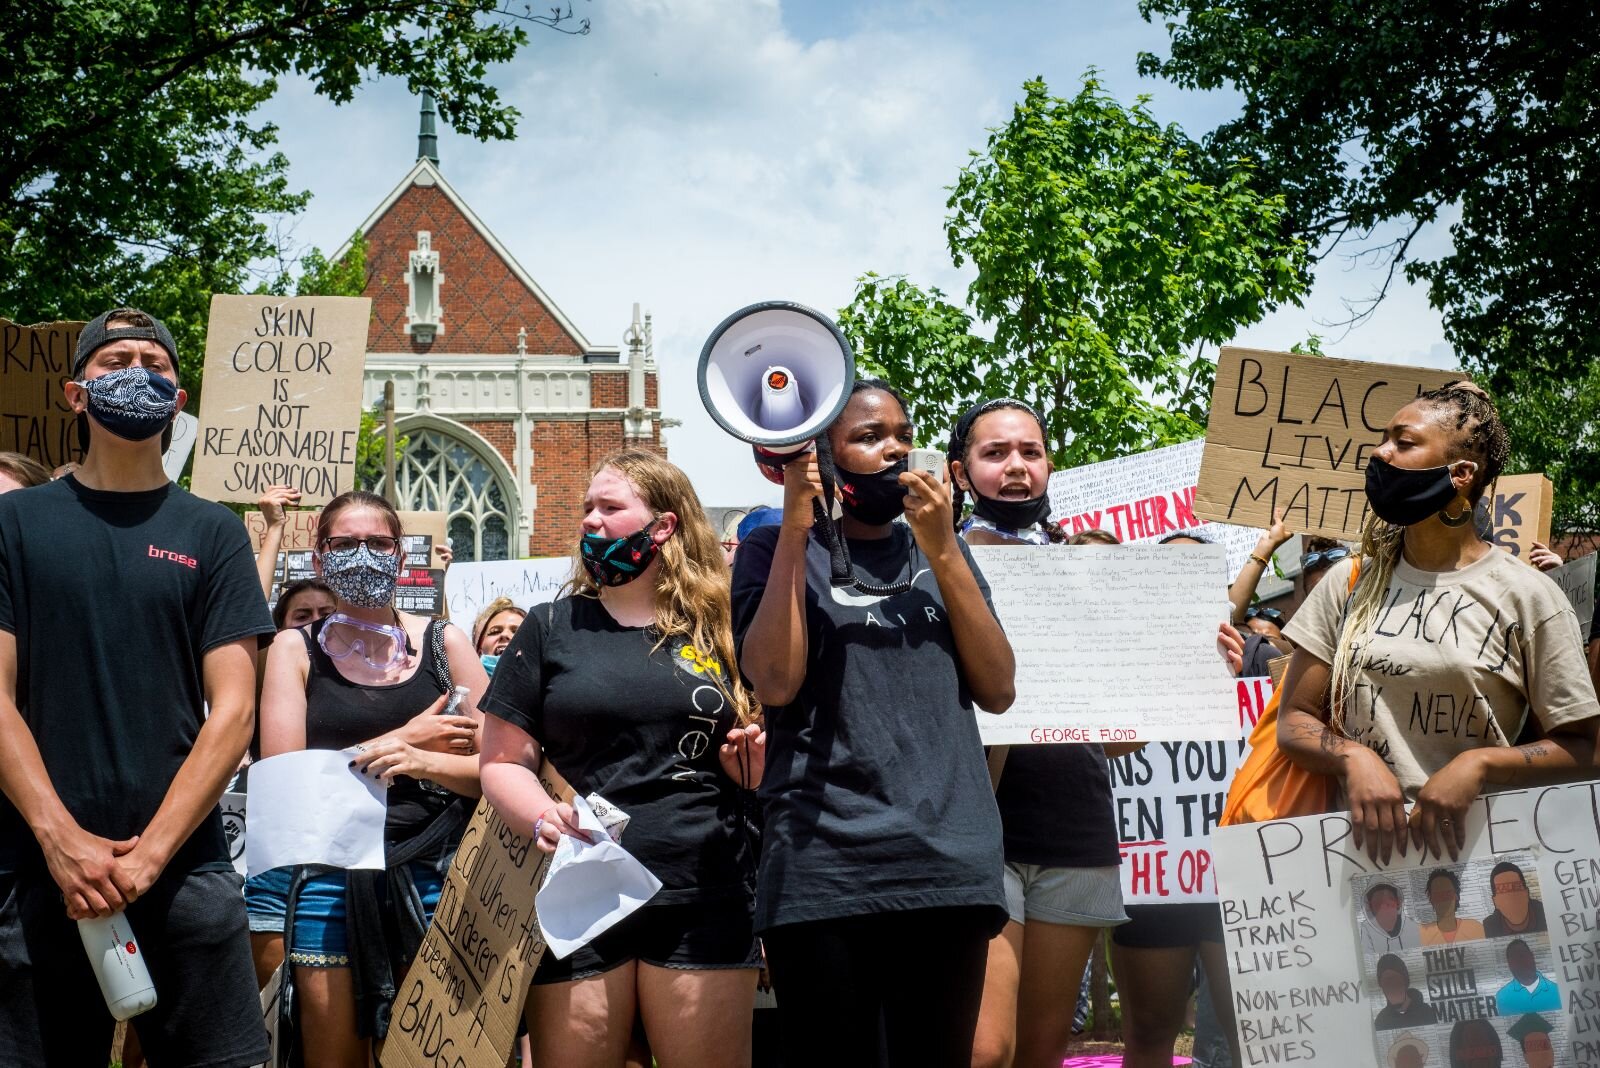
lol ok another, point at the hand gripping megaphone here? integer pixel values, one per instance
(775, 374)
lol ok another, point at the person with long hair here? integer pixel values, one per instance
(880, 883)
(1415, 686)
(627, 685)
(375, 680)
(1062, 888)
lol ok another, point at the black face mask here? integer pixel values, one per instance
(1012, 515)
(873, 499)
(1406, 496)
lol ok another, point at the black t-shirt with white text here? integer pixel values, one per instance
(114, 599)
(876, 791)
(641, 726)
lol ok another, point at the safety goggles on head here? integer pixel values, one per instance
(378, 544)
(1323, 558)
(1271, 615)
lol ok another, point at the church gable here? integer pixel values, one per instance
(483, 297)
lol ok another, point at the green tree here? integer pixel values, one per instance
(1401, 113)
(133, 168)
(1106, 264)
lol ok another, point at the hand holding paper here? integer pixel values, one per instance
(310, 808)
(591, 885)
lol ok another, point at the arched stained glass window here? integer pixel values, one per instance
(439, 473)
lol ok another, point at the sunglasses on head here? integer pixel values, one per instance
(1323, 558)
(1271, 615)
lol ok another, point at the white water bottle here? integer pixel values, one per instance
(118, 965)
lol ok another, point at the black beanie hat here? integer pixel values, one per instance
(95, 335)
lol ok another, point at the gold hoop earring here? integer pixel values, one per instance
(1460, 520)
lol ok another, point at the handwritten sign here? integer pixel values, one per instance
(282, 404)
(1520, 513)
(1576, 579)
(1168, 797)
(1498, 952)
(1113, 643)
(1294, 432)
(461, 1001)
(1144, 497)
(300, 528)
(468, 587)
(34, 418)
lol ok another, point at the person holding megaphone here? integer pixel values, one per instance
(880, 882)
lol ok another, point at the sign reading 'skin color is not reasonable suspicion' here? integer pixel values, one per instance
(282, 400)
(1294, 432)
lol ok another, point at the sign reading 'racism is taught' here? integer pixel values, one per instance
(1294, 433)
(282, 403)
(34, 418)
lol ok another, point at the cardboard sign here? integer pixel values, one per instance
(468, 587)
(1498, 952)
(34, 418)
(1520, 513)
(300, 530)
(1145, 497)
(1168, 797)
(461, 1001)
(1114, 643)
(1294, 432)
(282, 403)
(1576, 579)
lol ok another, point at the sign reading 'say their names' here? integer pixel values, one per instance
(282, 401)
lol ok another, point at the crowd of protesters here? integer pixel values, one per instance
(914, 898)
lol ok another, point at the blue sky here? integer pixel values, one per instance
(697, 155)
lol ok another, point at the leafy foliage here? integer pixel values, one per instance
(1415, 111)
(1106, 262)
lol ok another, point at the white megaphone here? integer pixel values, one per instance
(776, 374)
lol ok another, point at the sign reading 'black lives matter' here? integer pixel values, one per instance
(282, 400)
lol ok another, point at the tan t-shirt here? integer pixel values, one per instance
(1455, 662)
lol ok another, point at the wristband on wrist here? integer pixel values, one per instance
(1258, 559)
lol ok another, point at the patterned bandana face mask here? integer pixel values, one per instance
(132, 403)
(360, 576)
(617, 561)
(340, 645)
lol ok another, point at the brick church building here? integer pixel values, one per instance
(506, 403)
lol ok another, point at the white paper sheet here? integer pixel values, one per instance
(590, 887)
(1114, 643)
(311, 808)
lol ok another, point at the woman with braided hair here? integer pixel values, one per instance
(1413, 687)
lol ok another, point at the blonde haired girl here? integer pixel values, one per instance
(627, 682)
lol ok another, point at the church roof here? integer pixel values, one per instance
(486, 295)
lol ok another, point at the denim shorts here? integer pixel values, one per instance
(320, 939)
(1077, 897)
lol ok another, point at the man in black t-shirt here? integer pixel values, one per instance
(130, 618)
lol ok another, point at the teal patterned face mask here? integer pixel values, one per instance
(618, 561)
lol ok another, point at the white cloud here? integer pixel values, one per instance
(697, 155)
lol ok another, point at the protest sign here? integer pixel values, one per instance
(1576, 579)
(34, 418)
(461, 1001)
(1521, 513)
(1334, 957)
(183, 436)
(1114, 643)
(468, 587)
(282, 404)
(1168, 796)
(300, 528)
(1294, 432)
(1144, 497)
(233, 820)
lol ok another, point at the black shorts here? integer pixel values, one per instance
(700, 936)
(1169, 926)
(195, 940)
